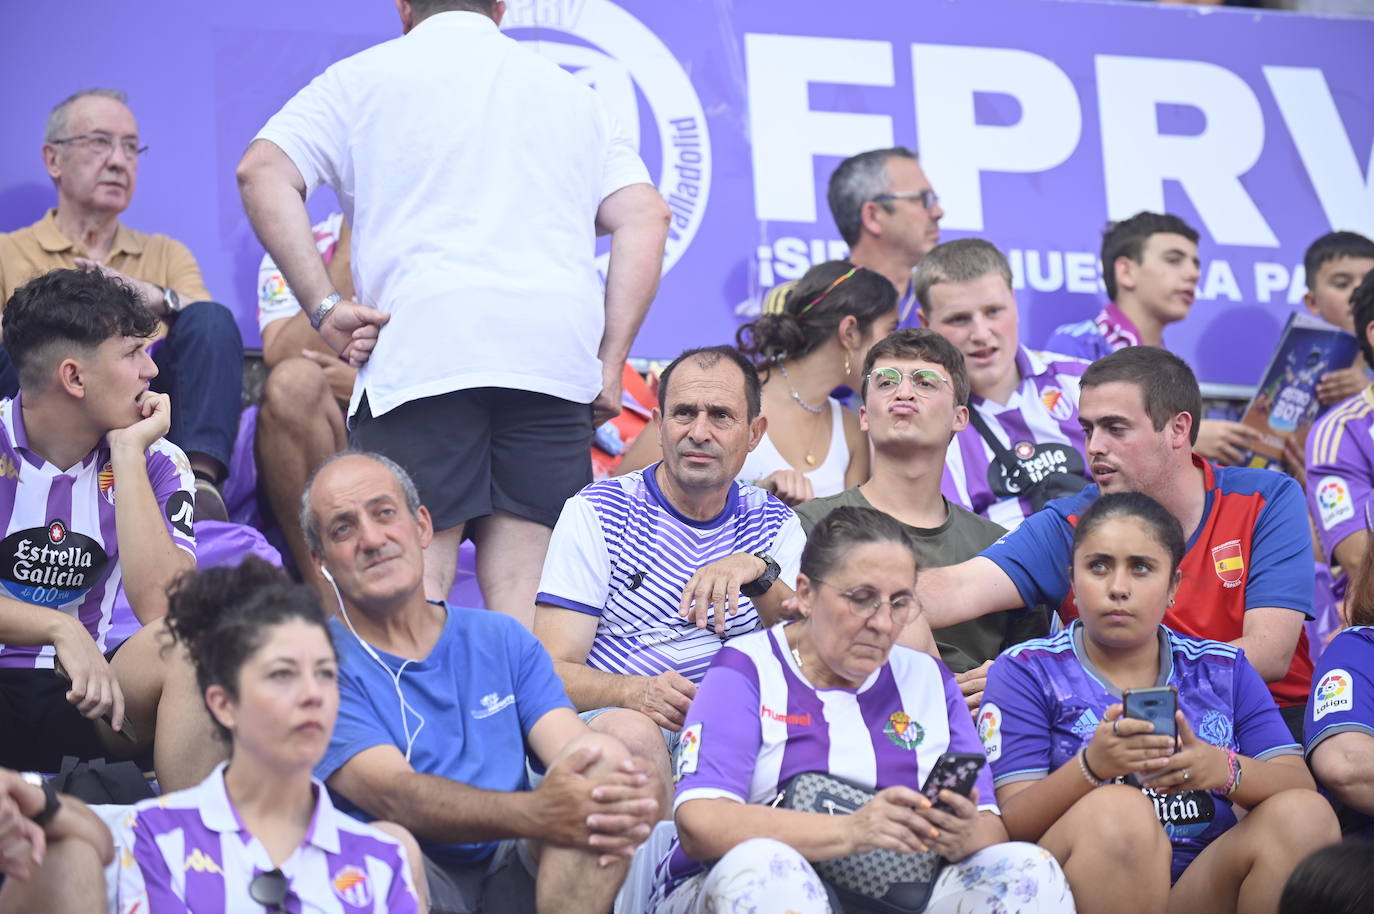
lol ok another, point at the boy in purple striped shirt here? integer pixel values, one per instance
(1026, 402)
(84, 471)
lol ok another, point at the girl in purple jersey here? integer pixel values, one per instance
(1117, 804)
(259, 834)
(833, 693)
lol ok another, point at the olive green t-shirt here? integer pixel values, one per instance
(962, 536)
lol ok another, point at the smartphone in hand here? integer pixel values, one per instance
(126, 731)
(1156, 704)
(954, 771)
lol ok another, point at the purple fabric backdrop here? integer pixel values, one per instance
(1037, 120)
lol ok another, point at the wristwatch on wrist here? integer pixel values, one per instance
(171, 299)
(323, 309)
(759, 586)
(51, 802)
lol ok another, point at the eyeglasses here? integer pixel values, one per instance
(925, 382)
(102, 144)
(864, 602)
(269, 890)
(927, 197)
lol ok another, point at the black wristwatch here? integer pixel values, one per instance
(51, 802)
(759, 586)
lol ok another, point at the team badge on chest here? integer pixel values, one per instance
(903, 731)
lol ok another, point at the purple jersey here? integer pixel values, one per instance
(1340, 472)
(1092, 339)
(1343, 702)
(190, 852)
(768, 724)
(60, 549)
(1038, 425)
(1044, 699)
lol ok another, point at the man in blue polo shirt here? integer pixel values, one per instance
(1247, 575)
(437, 706)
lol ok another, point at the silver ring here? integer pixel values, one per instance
(1187, 774)
(1116, 732)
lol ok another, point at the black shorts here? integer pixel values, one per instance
(472, 452)
(38, 725)
(501, 884)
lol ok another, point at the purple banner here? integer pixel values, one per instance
(1036, 120)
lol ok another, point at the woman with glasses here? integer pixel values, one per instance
(1144, 819)
(806, 345)
(259, 834)
(833, 693)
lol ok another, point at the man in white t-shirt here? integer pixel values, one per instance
(649, 573)
(476, 175)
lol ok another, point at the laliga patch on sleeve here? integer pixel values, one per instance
(181, 512)
(1335, 692)
(990, 731)
(688, 751)
(1334, 501)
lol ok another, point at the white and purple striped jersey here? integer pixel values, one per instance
(756, 723)
(189, 853)
(1038, 425)
(623, 553)
(60, 549)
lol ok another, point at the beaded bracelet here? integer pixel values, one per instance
(1088, 773)
(1233, 779)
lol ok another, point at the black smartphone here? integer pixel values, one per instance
(1156, 704)
(954, 771)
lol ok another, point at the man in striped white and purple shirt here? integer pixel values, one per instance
(96, 511)
(648, 574)
(1030, 447)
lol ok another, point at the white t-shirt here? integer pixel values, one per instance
(621, 552)
(471, 169)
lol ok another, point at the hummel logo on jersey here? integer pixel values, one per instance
(201, 864)
(636, 579)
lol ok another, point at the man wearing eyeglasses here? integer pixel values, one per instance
(91, 150)
(887, 213)
(915, 399)
(1023, 445)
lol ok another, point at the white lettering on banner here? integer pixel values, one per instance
(785, 134)
(1080, 271)
(1220, 282)
(1305, 103)
(1137, 159)
(956, 150)
(789, 258)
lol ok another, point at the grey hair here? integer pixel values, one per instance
(311, 531)
(857, 180)
(57, 117)
(958, 261)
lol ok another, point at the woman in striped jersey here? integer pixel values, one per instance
(834, 693)
(259, 834)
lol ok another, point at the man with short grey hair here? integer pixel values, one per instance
(887, 213)
(91, 150)
(438, 709)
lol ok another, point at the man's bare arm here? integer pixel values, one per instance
(957, 593)
(273, 193)
(433, 808)
(637, 220)
(1269, 636)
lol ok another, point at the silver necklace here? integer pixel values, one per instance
(814, 410)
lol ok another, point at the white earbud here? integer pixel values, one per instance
(394, 674)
